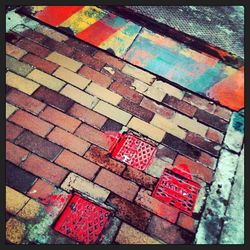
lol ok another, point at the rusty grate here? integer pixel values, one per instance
(82, 220)
(134, 152)
(176, 188)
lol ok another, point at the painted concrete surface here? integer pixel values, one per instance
(161, 55)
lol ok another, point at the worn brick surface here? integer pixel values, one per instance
(129, 212)
(14, 51)
(38, 145)
(15, 231)
(12, 37)
(51, 33)
(18, 67)
(117, 63)
(53, 98)
(207, 160)
(223, 113)
(187, 222)
(12, 131)
(44, 169)
(30, 210)
(119, 77)
(117, 184)
(111, 125)
(15, 154)
(69, 141)
(214, 135)
(33, 35)
(77, 164)
(88, 116)
(165, 153)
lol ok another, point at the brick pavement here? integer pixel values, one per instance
(62, 97)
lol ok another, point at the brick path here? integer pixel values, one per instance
(62, 96)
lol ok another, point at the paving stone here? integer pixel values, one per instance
(111, 125)
(214, 135)
(15, 231)
(165, 153)
(115, 62)
(12, 131)
(156, 168)
(51, 33)
(15, 154)
(17, 178)
(9, 109)
(116, 184)
(18, 67)
(53, 98)
(187, 222)
(38, 145)
(129, 212)
(30, 210)
(14, 51)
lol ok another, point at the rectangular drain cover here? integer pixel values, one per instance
(176, 188)
(134, 152)
(82, 220)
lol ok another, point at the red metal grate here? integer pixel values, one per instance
(134, 152)
(176, 188)
(82, 220)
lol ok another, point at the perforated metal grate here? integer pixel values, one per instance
(134, 152)
(176, 188)
(82, 220)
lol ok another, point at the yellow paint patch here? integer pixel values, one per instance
(30, 210)
(230, 71)
(14, 231)
(35, 9)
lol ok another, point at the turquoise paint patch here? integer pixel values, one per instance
(238, 122)
(116, 22)
(131, 29)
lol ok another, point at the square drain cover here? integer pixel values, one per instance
(82, 220)
(176, 188)
(134, 152)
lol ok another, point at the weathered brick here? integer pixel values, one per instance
(9, 109)
(38, 145)
(45, 169)
(117, 63)
(17, 178)
(112, 112)
(223, 113)
(69, 141)
(25, 101)
(187, 222)
(53, 98)
(119, 77)
(33, 35)
(88, 59)
(204, 144)
(156, 108)
(71, 77)
(156, 167)
(211, 120)
(214, 135)
(76, 182)
(175, 235)
(12, 37)
(111, 125)
(46, 80)
(12, 131)
(15, 154)
(180, 146)
(51, 33)
(64, 61)
(21, 83)
(116, 184)
(77, 164)
(136, 110)
(207, 160)
(95, 76)
(79, 96)
(33, 47)
(165, 153)
(31, 122)
(196, 169)
(16, 66)
(146, 129)
(86, 115)
(139, 178)
(60, 119)
(30, 210)
(14, 51)
(15, 231)
(129, 212)
(40, 63)
(101, 157)
(130, 235)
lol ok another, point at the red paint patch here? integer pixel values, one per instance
(112, 139)
(82, 220)
(176, 188)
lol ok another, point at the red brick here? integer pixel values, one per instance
(15, 154)
(126, 92)
(45, 169)
(223, 113)
(69, 141)
(214, 135)
(157, 108)
(165, 152)
(110, 60)
(117, 184)
(25, 101)
(207, 160)
(179, 105)
(39, 63)
(60, 119)
(187, 222)
(88, 116)
(12, 131)
(129, 212)
(95, 76)
(92, 135)
(32, 47)
(12, 37)
(196, 169)
(33, 35)
(140, 178)
(31, 122)
(87, 59)
(77, 164)
(136, 110)
(101, 157)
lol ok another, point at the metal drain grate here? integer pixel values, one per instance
(82, 220)
(134, 152)
(176, 188)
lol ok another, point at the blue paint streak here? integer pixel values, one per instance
(238, 122)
